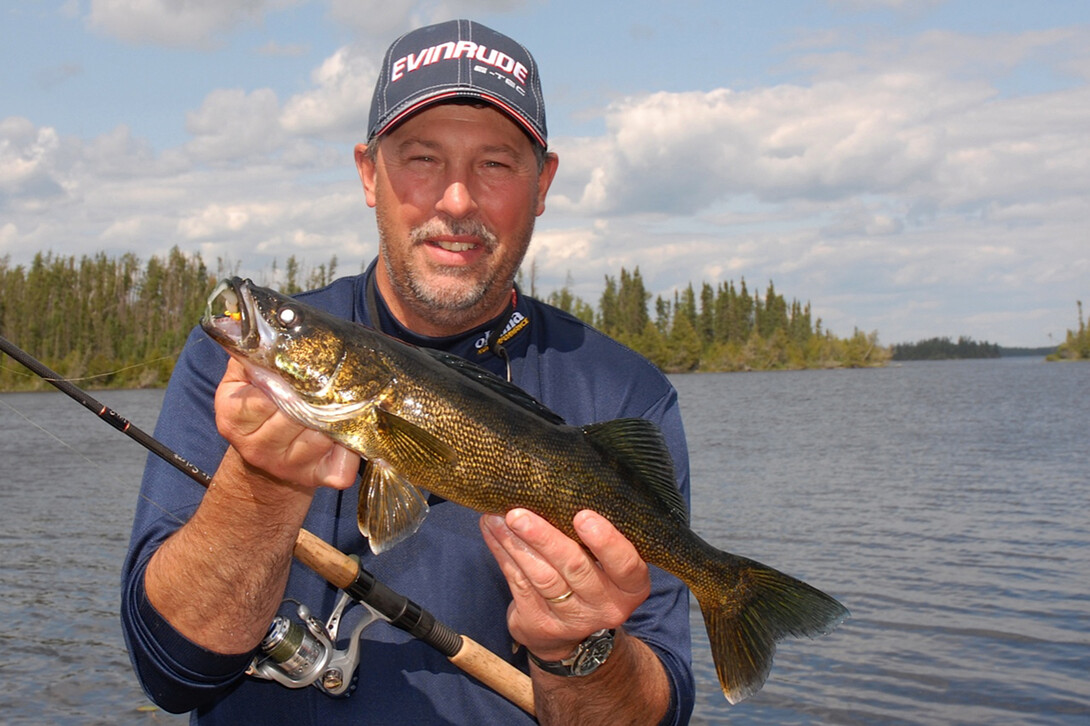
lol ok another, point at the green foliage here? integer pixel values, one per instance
(120, 323)
(723, 328)
(945, 349)
(110, 322)
(1077, 344)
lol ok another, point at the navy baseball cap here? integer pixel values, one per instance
(457, 59)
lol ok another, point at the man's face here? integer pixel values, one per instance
(456, 189)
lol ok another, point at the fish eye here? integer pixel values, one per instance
(288, 316)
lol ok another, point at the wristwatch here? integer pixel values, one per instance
(584, 660)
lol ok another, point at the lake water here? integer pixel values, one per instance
(944, 503)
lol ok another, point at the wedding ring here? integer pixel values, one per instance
(560, 598)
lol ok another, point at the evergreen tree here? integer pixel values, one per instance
(706, 318)
(632, 300)
(685, 347)
(609, 314)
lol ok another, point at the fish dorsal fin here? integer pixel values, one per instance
(409, 442)
(390, 508)
(494, 383)
(637, 445)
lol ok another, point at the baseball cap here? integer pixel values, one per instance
(452, 60)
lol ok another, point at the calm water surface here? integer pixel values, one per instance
(943, 503)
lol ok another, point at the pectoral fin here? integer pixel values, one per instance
(390, 507)
(409, 442)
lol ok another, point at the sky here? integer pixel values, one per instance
(918, 168)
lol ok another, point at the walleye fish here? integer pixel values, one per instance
(425, 420)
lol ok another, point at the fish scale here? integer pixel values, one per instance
(427, 421)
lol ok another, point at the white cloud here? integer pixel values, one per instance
(232, 124)
(113, 194)
(28, 155)
(681, 152)
(383, 19)
(196, 23)
(8, 234)
(337, 105)
(906, 176)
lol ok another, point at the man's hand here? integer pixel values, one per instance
(561, 593)
(269, 440)
(220, 578)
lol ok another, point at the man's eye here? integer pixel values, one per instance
(495, 165)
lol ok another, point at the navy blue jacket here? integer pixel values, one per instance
(576, 371)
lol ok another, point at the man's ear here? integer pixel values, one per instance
(545, 179)
(366, 168)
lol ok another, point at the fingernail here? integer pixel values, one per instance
(518, 521)
(585, 522)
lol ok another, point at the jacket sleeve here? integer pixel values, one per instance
(176, 674)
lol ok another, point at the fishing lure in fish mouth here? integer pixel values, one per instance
(227, 313)
(424, 420)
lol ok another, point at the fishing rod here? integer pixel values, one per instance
(325, 669)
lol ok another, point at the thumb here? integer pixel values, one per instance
(338, 468)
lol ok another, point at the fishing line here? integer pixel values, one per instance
(97, 465)
(92, 377)
(49, 433)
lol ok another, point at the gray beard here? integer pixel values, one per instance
(452, 307)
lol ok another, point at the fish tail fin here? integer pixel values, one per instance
(747, 608)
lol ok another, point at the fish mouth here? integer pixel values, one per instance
(229, 315)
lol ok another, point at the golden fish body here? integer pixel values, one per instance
(424, 420)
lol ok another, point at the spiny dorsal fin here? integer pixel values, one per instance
(637, 445)
(494, 383)
(390, 508)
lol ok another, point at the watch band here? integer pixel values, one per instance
(587, 657)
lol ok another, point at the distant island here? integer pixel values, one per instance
(945, 349)
(1005, 352)
(1075, 347)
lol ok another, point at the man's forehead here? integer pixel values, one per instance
(480, 120)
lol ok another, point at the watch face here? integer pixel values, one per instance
(594, 656)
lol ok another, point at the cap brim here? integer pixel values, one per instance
(499, 103)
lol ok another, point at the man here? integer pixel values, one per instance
(457, 169)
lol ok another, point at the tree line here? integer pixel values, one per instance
(723, 327)
(112, 322)
(945, 349)
(117, 322)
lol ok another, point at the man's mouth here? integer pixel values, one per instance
(454, 246)
(463, 238)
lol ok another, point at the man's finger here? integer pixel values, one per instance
(616, 555)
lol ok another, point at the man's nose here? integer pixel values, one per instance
(457, 201)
